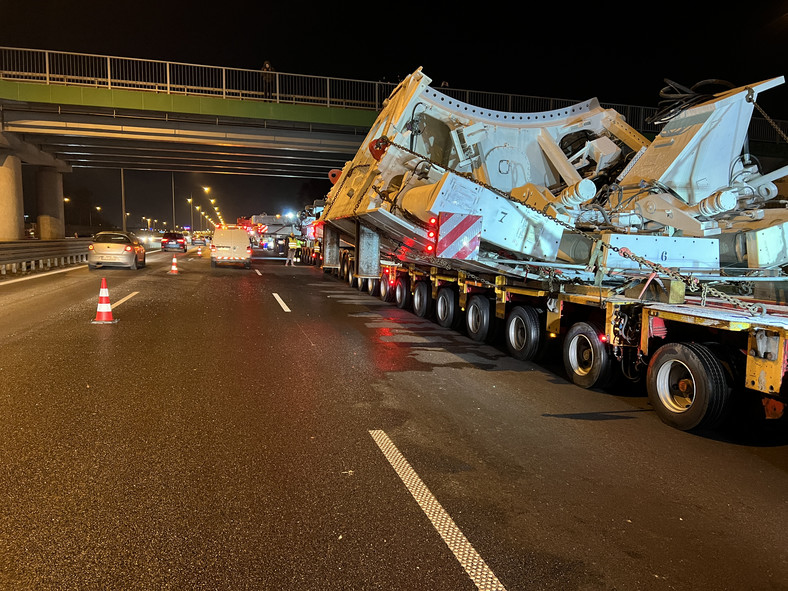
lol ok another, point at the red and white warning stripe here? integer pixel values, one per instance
(459, 235)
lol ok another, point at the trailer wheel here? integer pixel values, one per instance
(352, 280)
(447, 308)
(361, 284)
(524, 334)
(386, 291)
(343, 267)
(586, 358)
(687, 386)
(402, 292)
(479, 318)
(422, 299)
(373, 287)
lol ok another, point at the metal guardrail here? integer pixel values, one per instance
(97, 71)
(27, 255)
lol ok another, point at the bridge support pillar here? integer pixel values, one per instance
(12, 206)
(51, 217)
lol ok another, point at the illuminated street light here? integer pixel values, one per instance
(90, 217)
(191, 227)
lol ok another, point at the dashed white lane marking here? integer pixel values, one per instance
(469, 559)
(281, 303)
(128, 297)
(258, 272)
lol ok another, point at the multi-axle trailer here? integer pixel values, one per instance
(655, 259)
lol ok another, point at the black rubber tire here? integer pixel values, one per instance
(144, 260)
(373, 287)
(386, 289)
(524, 333)
(674, 369)
(342, 271)
(133, 265)
(586, 357)
(402, 292)
(352, 280)
(447, 308)
(361, 284)
(479, 318)
(422, 299)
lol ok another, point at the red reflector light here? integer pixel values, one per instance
(603, 338)
(128, 248)
(430, 248)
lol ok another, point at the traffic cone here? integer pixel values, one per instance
(199, 251)
(104, 310)
(174, 269)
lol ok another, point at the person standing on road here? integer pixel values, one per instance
(292, 245)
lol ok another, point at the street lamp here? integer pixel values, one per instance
(90, 217)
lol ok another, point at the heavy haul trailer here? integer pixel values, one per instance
(655, 258)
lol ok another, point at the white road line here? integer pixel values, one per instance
(128, 297)
(281, 303)
(36, 276)
(474, 565)
(258, 272)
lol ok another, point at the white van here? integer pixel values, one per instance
(231, 245)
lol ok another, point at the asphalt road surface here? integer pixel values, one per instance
(274, 428)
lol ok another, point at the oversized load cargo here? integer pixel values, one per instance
(571, 211)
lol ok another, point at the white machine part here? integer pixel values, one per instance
(534, 177)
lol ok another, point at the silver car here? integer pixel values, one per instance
(116, 249)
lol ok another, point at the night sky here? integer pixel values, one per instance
(620, 52)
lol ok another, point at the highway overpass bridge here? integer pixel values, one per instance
(60, 111)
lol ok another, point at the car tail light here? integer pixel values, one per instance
(128, 248)
(90, 247)
(181, 240)
(213, 248)
(249, 250)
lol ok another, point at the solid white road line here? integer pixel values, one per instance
(36, 276)
(281, 303)
(474, 565)
(128, 297)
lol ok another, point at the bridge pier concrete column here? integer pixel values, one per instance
(49, 191)
(12, 206)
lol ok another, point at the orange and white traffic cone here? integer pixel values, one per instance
(174, 269)
(199, 251)
(104, 310)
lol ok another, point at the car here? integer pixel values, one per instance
(231, 245)
(173, 241)
(116, 249)
(198, 239)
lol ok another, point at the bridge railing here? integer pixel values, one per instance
(78, 69)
